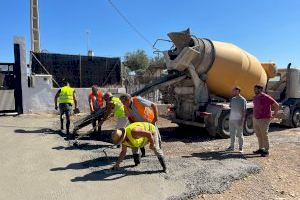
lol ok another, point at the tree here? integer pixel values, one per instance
(136, 60)
(157, 61)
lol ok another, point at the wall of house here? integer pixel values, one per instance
(40, 97)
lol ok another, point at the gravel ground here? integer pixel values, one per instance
(198, 166)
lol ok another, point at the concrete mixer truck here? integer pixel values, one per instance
(202, 74)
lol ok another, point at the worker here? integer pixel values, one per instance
(114, 106)
(137, 135)
(262, 116)
(66, 97)
(237, 118)
(96, 104)
(139, 109)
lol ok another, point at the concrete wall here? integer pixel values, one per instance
(40, 97)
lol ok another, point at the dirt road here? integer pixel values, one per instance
(38, 163)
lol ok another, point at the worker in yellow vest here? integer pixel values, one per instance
(66, 97)
(114, 106)
(137, 135)
(138, 109)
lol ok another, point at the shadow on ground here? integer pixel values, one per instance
(109, 175)
(82, 146)
(186, 135)
(103, 174)
(41, 131)
(277, 127)
(216, 155)
(222, 155)
(96, 162)
(105, 135)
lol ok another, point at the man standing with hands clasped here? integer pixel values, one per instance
(237, 118)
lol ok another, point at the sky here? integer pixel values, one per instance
(268, 29)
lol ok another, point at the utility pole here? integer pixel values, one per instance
(80, 73)
(89, 51)
(34, 26)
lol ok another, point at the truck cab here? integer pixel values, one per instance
(285, 89)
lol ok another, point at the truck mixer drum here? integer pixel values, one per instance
(225, 64)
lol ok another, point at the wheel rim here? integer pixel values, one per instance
(296, 118)
(249, 124)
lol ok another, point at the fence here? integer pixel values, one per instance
(79, 71)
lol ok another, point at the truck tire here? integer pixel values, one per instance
(223, 125)
(296, 118)
(248, 125)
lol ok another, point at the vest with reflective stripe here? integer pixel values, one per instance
(139, 142)
(66, 95)
(145, 112)
(119, 107)
(99, 97)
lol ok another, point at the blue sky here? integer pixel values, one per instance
(268, 29)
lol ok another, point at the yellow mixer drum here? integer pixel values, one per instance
(234, 67)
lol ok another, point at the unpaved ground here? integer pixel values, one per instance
(37, 163)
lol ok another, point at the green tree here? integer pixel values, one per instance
(136, 60)
(157, 61)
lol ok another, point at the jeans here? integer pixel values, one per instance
(236, 130)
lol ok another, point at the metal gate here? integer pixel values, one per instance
(10, 85)
(7, 87)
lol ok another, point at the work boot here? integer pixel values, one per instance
(259, 151)
(163, 163)
(137, 159)
(143, 151)
(264, 153)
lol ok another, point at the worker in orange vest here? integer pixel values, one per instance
(96, 103)
(139, 109)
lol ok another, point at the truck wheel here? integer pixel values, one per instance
(248, 126)
(296, 118)
(223, 125)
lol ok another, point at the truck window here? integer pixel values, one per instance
(275, 79)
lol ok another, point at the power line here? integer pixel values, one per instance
(129, 23)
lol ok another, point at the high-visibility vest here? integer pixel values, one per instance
(99, 98)
(118, 107)
(66, 95)
(145, 112)
(139, 142)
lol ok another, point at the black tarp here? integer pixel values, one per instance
(94, 70)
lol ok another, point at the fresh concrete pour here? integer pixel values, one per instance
(194, 175)
(39, 164)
